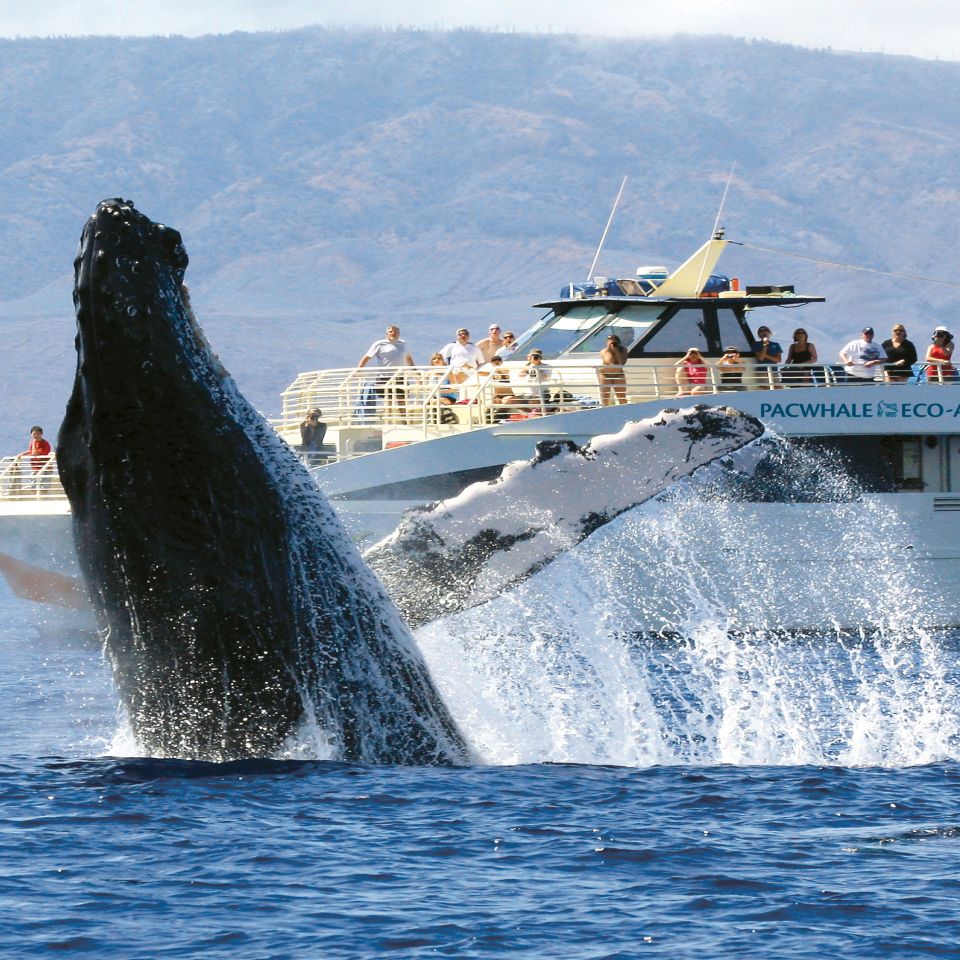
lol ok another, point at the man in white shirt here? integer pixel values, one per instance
(491, 344)
(390, 352)
(462, 356)
(863, 359)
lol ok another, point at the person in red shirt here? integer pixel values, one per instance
(691, 375)
(39, 449)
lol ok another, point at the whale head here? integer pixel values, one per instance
(234, 605)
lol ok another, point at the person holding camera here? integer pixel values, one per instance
(691, 374)
(312, 431)
(534, 373)
(765, 348)
(610, 374)
(730, 367)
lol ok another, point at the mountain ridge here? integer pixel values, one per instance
(327, 182)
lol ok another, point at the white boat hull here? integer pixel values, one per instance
(791, 565)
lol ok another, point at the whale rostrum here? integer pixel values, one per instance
(235, 608)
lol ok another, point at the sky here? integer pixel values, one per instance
(920, 28)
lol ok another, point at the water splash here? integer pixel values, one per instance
(710, 627)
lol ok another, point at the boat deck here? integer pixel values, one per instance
(367, 411)
(30, 485)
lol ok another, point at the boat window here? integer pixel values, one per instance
(731, 333)
(524, 338)
(685, 329)
(556, 332)
(630, 324)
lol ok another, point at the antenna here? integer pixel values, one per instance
(723, 200)
(717, 232)
(606, 229)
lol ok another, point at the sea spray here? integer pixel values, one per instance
(681, 633)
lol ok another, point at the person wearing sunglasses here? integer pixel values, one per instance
(901, 355)
(801, 354)
(509, 344)
(462, 356)
(939, 355)
(491, 343)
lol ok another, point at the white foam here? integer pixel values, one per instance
(666, 638)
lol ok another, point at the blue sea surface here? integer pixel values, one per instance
(105, 856)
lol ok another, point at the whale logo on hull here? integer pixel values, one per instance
(235, 607)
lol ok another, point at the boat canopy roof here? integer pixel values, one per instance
(656, 314)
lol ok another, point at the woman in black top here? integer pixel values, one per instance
(801, 351)
(901, 355)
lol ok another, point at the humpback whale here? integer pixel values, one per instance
(465, 550)
(234, 606)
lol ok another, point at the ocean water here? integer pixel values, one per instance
(705, 791)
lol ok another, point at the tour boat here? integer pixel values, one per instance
(402, 437)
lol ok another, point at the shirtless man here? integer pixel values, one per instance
(612, 379)
(490, 344)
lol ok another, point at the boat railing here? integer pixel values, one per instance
(25, 477)
(356, 401)
(367, 411)
(355, 398)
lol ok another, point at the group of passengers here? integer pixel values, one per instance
(691, 373)
(461, 355)
(465, 359)
(531, 393)
(460, 361)
(864, 360)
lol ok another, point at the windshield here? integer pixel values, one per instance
(556, 332)
(731, 332)
(685, 329)
(630, 324)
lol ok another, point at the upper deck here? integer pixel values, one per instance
(656, 316)
(366, 411)
(364, 414)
